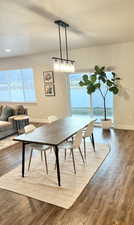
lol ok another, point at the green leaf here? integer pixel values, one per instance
(117, 78)
(114, 74)
(97, 85)
(114, 89)
(93, 78)
(103, 74)
(109, 83)
(91, 89)
(97, 69)
(102, 79)
(81, 83)
(85, 77)
(103, 68)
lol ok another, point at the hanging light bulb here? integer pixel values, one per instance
(56, 65)
(67, 67)
(62, 66)
(72, 67)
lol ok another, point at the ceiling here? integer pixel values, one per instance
(27, 27)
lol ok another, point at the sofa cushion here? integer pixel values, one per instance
(7, 111)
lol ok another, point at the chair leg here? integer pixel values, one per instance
(41, 156)
(84, 139)
(31, 153)
(45, 156)
(81, 155)
(72, 139)
(65, 155)
(73, 160)
(93, 143)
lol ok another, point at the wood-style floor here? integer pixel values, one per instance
(108, 199)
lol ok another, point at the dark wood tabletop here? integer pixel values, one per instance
(55, 132)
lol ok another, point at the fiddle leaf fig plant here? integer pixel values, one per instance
(97, 81)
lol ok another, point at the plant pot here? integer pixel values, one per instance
(106, 124)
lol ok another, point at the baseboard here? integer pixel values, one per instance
(123, 127)
(119, 126)
(38, 120)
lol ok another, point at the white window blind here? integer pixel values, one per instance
(17, 86)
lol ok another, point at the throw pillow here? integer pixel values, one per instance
(20, 110)
(7, 111)
(1, 106)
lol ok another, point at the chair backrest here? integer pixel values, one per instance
(78, 139)
(29, 128)
(89, 129)
(52, 119)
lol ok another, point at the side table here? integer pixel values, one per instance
(21, 121)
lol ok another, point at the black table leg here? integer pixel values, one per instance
(23, 159)
(93, 143)
(57, 163)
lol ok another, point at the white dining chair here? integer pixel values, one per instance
(88, 132)
(52, 118)
(73, 145)
(38, 147)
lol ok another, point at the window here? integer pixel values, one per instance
(80, 100)
(17, 86)
(84, 104)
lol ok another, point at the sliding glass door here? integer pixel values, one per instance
(84, 104)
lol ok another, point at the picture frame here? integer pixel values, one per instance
(49, 89)
(48, 76)
(49, 85)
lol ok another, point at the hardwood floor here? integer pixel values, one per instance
(108, 199)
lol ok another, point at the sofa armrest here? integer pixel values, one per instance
(11, 119)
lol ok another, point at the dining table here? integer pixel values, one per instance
(53, 134)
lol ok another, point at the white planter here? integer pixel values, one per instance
(106, 124)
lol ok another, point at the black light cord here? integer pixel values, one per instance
(60, 46)
(66, 42)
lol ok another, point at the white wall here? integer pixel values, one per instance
(119, 56)
(44, 106)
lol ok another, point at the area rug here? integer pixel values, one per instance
(36, 184)
(7, 142)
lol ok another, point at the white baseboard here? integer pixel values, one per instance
(119, 126)
(38, 120)
(123, 127)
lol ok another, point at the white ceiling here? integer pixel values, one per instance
(26, 26)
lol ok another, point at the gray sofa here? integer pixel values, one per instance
(7, 123)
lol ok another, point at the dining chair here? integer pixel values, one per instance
(88, 132)
(52, 118)
(73, 145)
(38, 147)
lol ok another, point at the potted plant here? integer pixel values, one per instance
(97, 81)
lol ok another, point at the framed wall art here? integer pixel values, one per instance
(48, 76)
(49, 85)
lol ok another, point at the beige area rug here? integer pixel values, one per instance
(7, 142)
(36, 184)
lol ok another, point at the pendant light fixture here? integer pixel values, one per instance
(61, 64)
